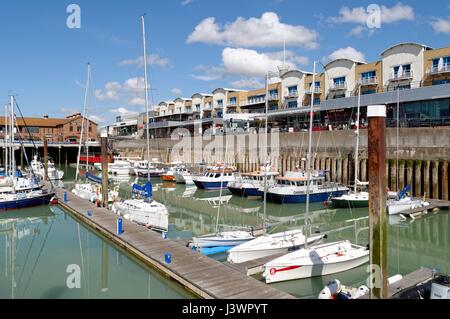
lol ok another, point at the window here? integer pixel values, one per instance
(71, 129)
(273, 93)
(316, 101)
(197, 107)
(273, 107)
(439, 82)
(339, 96)
(292, 104)
(340, 80)
(79, 129)
(219, 102)
(368, 75)
(33, 130)
(293, 90)
(90, 129)
(405, 70)
(219, 115)
(233, 101)
(368, 92)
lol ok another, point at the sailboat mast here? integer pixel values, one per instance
(308, 164)
(265, 154)
(357, 138)
(397, 138)
(6, 141)
(144, 44)
(82, 122)
(13, 160)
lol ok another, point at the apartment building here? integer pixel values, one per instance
(420, 73)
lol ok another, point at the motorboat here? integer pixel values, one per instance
(270, 245)
(93, 192)
(215, 179)
(119, 167)
(226, 238)
(169, 176)
(292, 188)
(37, 167)
(317, 260)
(184, 177)
(144, 168)
(404, 202)
(252, 184)
(351, 200)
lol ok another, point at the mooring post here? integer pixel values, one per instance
(376, 115)
(45, 159)
(105, 266)
(104, 156)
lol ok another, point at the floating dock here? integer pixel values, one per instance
(199, 274)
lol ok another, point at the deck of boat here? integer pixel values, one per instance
(201, 275)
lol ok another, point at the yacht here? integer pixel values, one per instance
(292, 188)
(252, 184)
(169, 176)
(215, 179)
(38, 168)
(93, 193)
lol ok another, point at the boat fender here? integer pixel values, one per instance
(325, 293)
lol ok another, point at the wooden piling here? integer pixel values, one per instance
(45, 159)
(401, 174)
(426, 179)
(104, 156)
(345, 171)
(435, 170)
(418, 179)
(444, 180)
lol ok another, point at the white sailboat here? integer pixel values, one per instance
(88, 191)
(355, 199)
(146, 211)
(316, 260)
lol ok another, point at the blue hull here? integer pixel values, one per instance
(252, 192)
(24, 203)
(299, 199)
(211, 185)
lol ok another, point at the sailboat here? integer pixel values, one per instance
(39, 169)
(270, 244)
(355, 199)
(88, 191)
(18, 191)
(403, 201)
(316, 260)
(144, 210)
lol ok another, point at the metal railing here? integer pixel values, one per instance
(317, 90)
(405, 75)
(292, 95)
(338, 86)
(439, 69)
(368, 81)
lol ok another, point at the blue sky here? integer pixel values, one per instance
(194, 46)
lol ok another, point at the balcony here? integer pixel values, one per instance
(254, 101)
(232, 104)
(368, 81)
(317, 90)
(207, 108)
(292, 95)
(218, 106)
(445, 68)
(405, 75)
(273, 97)
(338, 86)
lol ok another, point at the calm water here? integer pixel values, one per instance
(193, 212)
(424, 242)
(37, 245)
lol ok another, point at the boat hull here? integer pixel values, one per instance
(343, 203)
(211, 185)
(236, 191)
(219, 242)
(26, 202)
(275, 274)
(168, 178)
(298, 199)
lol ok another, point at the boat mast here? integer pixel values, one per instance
(308, 164)
(13, 160)
(6, 141)
(357, 138)
(397, 137)
(265, 154)
(144, 44)
(82, 122)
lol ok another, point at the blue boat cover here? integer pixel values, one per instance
(93, 178)
(144, 191)
(404, 191)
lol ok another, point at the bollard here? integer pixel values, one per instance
(89, 213)
(119, 226)
(66, 199)
(164, 235)
(168, 258)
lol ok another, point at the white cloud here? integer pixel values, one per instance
(115, 91)
(208, 73)
(97, 119)
(152, 59)
(122, 111)
(250, 83)
(137, 101)
(346, 53)
(441, 25)
(360, 15)
(186, 2)
(252, 63)
(134, 84)
(267, 31)
(110, 92)
(176, 91)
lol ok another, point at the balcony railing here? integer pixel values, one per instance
(338, 86)
(292, 95)
(405, 75)
(317, 90)
(445, 68)
(218, 106)
(368, 81)
(273, 97)
(253, 102)
(207, 107)
(232, 104)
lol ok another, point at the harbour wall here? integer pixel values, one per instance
(423, 155)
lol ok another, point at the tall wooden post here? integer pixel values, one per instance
(45, 158)
(377, 201)
(105, 266)
(104, 155)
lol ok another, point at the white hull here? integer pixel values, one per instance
(88, 192)
(120, 171)
(184, 178)
(223, 239)
(316, 261)
(151, 215)
(397, 207)
(269, 245)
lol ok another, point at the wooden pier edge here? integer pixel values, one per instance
(251, 288)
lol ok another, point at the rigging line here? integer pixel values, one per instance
(82, 259)
(26, 259)
(38, 257)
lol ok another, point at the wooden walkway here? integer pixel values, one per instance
(199, 274)
(434, 204)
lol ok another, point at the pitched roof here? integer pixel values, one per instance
(40, 122)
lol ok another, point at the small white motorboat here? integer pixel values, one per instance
(270, 245)
(396, 207)
(184, 177)
(150, 213)
(93, 193)
(38, 168)
(319, 260)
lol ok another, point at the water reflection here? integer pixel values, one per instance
(37, 246)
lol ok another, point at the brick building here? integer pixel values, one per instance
(57, 130)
